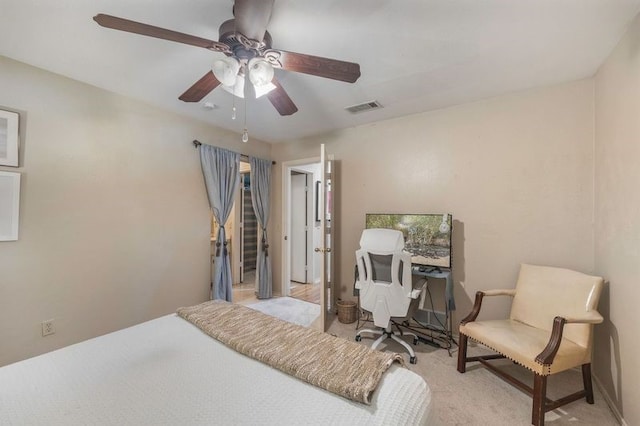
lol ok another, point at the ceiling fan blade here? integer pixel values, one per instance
(314, 65)
(281, 100)
(252, 17)
(122, 24)
(200, 89)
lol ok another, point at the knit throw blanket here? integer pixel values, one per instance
(337, 365)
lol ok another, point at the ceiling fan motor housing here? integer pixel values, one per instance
(242, 47)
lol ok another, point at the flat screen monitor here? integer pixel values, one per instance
(427, 237)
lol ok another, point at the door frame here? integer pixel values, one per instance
(287, 168)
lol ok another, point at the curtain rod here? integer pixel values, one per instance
(244, 157)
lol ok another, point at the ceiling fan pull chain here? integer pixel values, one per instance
(233, 108)
(245, 133)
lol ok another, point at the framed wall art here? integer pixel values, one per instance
(9, 205)
(9, 138)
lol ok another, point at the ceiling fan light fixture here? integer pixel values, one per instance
(263, 90)
(260, 72)
(236, 88)
(226, 70)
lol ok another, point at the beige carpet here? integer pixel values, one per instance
(478, 397)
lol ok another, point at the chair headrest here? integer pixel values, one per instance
(382, 240)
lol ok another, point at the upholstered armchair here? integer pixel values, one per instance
(549, 330)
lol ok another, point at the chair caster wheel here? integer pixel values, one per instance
(413, 360)
(358, 338)
(415, 341)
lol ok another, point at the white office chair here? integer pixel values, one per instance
(385, 287)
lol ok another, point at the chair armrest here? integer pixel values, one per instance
(548, 354)
(358, 285)
(478, 302)
(589, 317)
(502, 292)
(476, 309)
(415, 293)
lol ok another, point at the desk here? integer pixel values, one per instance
(444, 337)
(439, 274)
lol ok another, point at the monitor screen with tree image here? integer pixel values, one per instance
(426, 236)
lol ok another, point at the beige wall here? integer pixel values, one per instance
(516, 172)
(114, 220)
(617, 230)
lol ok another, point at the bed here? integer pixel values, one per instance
(167, 371)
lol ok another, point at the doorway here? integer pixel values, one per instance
(242, 239)
(299, 226)
(248, 233)
(321, 215)
(302, 279)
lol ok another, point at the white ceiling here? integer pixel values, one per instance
(415, 55)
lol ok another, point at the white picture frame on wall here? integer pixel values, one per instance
(9, 205)
(9, 138)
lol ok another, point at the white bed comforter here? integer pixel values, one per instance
(167, 371)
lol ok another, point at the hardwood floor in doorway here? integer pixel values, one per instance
(306, 292)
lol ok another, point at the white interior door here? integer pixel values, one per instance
(299, 227)
(327, 224)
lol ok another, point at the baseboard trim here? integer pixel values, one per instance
(609, 401)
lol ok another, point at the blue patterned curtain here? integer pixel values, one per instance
(220, 169)
(260, 192)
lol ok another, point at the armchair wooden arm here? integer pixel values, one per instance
(548, 354)
(478, 302)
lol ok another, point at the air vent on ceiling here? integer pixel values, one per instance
(366, 106)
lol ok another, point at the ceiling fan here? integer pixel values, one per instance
(247, 46)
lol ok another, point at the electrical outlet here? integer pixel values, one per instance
(48, 327)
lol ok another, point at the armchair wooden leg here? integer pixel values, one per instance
(586, 379)
(539, 399)
(462, 353)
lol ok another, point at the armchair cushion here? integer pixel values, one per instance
(522, 343)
